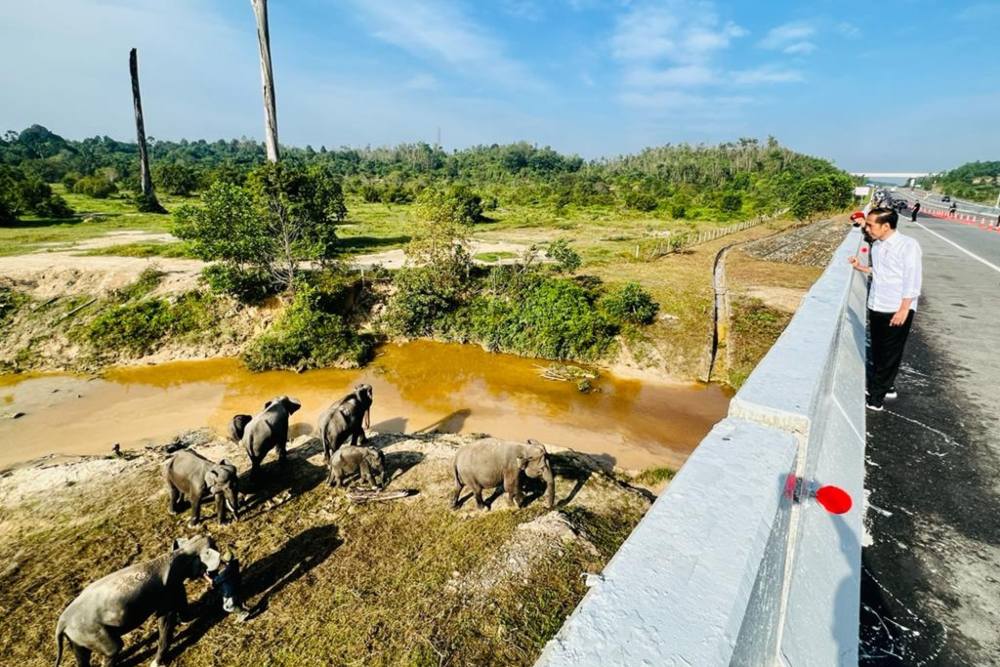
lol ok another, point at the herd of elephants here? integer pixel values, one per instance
(120, 602)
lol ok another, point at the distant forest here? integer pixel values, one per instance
(729, 181)
(976, 181)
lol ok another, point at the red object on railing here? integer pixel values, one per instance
(833, 499)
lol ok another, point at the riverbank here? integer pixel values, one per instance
(402, 582)
(419, 386)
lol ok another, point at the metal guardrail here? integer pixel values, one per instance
(726, 568)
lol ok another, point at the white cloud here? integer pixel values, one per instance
(799, 48)
(440, 31)
(792, 38)
(766, 74)
(848, 30)
(683, 32)
(681, 76)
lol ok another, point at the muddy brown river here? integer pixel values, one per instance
(419, 387)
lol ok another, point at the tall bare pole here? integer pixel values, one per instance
(267, 80)
(149, 203)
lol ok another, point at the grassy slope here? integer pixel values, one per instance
(400, 583)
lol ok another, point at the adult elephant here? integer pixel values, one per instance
(269, 430)
(490, 463)
(190, 475)
(347, 418)
(122, 601)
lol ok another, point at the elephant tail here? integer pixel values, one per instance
(60, 635)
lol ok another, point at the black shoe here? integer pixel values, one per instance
(892, 393)
(873, 406)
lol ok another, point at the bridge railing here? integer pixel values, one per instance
(726, 568)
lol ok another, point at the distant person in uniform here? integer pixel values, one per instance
(892, 300)
(914, 211)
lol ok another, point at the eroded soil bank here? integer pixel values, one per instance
(331, 582)
(420, 387)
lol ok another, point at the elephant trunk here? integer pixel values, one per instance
(233, 502)
(550, 486)
(368, 418)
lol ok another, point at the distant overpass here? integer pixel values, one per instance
(892, 174)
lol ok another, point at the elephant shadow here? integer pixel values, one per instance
(288, 479)
(578, 468)
(398, 463)
(394, 425)
(262, 580)
(453, 423)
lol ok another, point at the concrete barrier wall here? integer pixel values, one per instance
(725, 568)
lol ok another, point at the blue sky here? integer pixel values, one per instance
(904, 85)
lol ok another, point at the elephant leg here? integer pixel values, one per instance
(512, 485)
(220, 508)
(166, 623)
(195, 511)
(175, 497)
(457, 493)
(333, 479)
(282, 448)
(477, 491)
(105, 642)
(82, 655)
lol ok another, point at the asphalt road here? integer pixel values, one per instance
(931, 578)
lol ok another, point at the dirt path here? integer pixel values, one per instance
(62, 269)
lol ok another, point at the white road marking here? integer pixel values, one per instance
(970, 254)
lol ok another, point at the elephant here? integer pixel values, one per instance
(237, 426)
(122, 601)
(269, 430)
(367, 462)
(488, 463)
(191, 475)
(349, 416)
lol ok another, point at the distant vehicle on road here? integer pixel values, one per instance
(946, 198)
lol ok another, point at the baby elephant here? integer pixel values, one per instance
(368, 463)
(488, 463)
(122, 601)
(192, 476)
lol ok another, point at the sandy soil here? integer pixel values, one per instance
(61, 269)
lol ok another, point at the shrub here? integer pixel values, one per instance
(245, 284)
(139, 327)
(640, 201)
(566, 258)
(630, 304)
(678, 211)
(455, 204)
(177, 178)
(424, 295)
(553, 318)
(305, 336)
(22, 193)
(97, 187)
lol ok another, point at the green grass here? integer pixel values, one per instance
(179, 249)
(491, 257)
(94, 217)
(391, 583)
(654, 476)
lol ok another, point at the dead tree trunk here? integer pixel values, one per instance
(148, 203)
(267, 80)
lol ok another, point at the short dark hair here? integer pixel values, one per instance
(885, 216)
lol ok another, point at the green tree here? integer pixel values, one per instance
(566, 258)
(177, 178)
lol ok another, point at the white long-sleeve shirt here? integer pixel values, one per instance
(896, 273)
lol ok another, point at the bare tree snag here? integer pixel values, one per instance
(267, 80)
(149, 202)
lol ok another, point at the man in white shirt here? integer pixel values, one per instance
(892, 299)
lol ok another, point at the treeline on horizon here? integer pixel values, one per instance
(729, 181)
(976, 181)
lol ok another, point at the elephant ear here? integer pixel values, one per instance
(210, 558)
(291, 404)
(212, 479)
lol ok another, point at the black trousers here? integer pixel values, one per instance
(887, 344)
